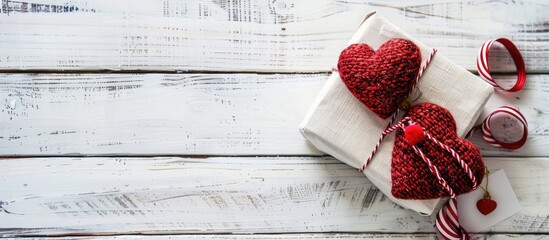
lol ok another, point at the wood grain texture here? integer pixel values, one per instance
(155, 114)
(249, 35)
(322, 236)
(58, 196)
(206, 114)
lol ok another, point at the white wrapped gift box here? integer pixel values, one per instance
(341, 126)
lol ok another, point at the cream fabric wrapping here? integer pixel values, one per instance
(339, 125)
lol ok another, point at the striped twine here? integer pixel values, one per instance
(456, 156)
(390, 127)
(434, 170)
(423, 67)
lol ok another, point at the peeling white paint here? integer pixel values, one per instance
(281, 36)
(12, 104)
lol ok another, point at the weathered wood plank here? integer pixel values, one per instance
(319, 236)
(249, 114)
(273, 36)
(155, 114)
(42, 196)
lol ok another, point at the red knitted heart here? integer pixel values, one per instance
(411, 178)
(380, 79)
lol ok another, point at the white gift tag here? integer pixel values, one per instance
(501, 192)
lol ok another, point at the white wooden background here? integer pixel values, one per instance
(179, 118)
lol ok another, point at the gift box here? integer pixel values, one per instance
(338, 124)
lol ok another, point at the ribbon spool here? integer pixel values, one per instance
(484, 68)
(505, 127)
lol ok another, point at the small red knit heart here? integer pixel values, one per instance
(380, 79)
(410, 175)
(486, 206)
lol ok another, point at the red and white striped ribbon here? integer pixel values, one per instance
(484, 68)
(499, 126)
(447, 222)
(491, 137)
(512, 116)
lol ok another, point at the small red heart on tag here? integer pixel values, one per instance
(486, 206)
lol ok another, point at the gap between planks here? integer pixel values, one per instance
(121, 72)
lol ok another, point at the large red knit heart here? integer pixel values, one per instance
(380, 79)
(411, 178)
